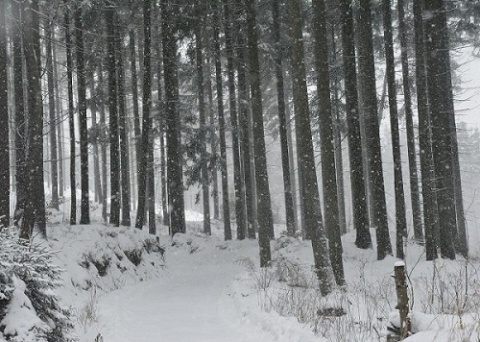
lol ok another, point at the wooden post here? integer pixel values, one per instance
(402, 297)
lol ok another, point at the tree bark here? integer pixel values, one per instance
(278, 60)
(305, 156)
(400, 215)
(122, 132)
(264, 209)
(113, 114)
(82, 112)
(221, 122)
(173, 121)
(367, 77)
(329, 172)
(4, 128)
(359, 196)
(412, 159)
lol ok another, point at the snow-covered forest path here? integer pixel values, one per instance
(190, 303)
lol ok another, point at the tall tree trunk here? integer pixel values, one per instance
(173, 121)
(34, 215)
(202, 137)
(305, 155)
(337, 133)
(245, 124)
(52, 113)
(59, 127)
(4, 127)
(20, 122)
(264, 208)
(400, 216)
(122, 132)
(426, 159)
(221, 122)
(82, 112)
(213, 141)
(237, 176)
(287, 186)
(113, 114)
(71, 119)
(412, 156)
(96, 162)
(103, 147)
(439, 91)
(136, 114)
(367, 77)
(329, 172)
(359, 196)
(146, 120)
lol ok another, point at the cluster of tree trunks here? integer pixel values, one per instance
(228, 54)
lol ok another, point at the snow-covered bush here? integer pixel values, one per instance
(30, 310)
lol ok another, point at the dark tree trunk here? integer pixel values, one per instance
(52, 114)
(305, 156)
(146, 120)
(20, 122)
(113, 114)
(4, 127)
(439, 91)
(337, 133)
(264, 209)
(82, 112)
(71, 120)
(202, 138)
(367, 77)
(400, 216)
(426, 159)
(359, 196)
(245, 126)
(221, 122)
(34, 215)
(287, 184)
(237, 176)
(173, 120)
(412, 156)
(329, 172)
(122, 132)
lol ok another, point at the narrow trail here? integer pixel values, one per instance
(186, 305)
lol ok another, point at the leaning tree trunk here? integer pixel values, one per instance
(52, 113)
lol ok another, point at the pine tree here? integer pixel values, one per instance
(4, 127)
